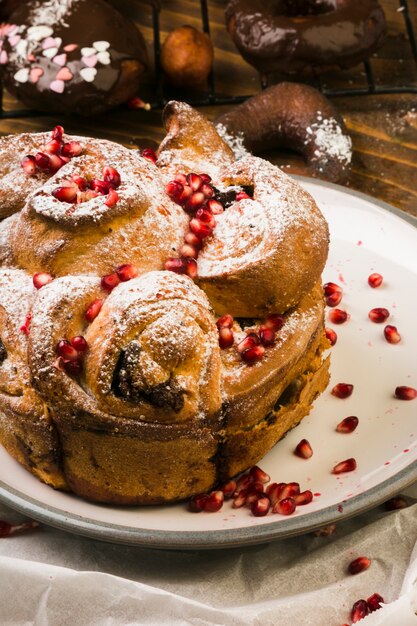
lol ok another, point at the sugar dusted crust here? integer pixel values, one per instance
(158, 411)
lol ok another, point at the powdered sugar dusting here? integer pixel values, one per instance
(235, 142)
(51, 12)
(329, 139)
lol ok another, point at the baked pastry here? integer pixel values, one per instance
(71, 56)
(295, 116)
(129, 387)
(304, 36)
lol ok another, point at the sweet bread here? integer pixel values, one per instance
(305, 36)
(130, 384)
(71, 56)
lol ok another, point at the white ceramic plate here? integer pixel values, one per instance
(366, 237)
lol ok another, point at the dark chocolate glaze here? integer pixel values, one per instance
(304, 36)
(92, 88)
(7, 7)
(295, 116)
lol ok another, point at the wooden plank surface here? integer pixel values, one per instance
(383, 127)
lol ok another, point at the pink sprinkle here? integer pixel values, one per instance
(359, 243)
(406, 450)
(64, 74)
(387, 462)
(70, 47)
(57, 85)
(60, 59)
(35, 74)
(31, 57)
(49, 42)
(4, 57)
(90, 61)
(14, 40)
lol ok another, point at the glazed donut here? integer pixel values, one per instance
(300, 36)
(296, 116)
(71, 56)
(127, 387)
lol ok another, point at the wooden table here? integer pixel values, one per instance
(383, 127)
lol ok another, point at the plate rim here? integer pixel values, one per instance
(232, 537)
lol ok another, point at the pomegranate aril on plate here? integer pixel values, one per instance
(286, 506)
(333, 294)
(359, 611)
(375, 280)
(331, 335)
(40, 279)
(374, 602)
(348, 424)
(303, 449)
(338, 316)
(110, 281)
(349, 465)
(226, 338)
(65, 194)
(258, 475)
(93, 310)
(197, 503)
(127, 272)
(214, 501)
(305, 497)
(359, 565)
(391, 334)
(378, 315)
(290, 489)
(260, 507)
(179, 266)
(28, 164)
(342, 390)
(229, 488)
(405, 393)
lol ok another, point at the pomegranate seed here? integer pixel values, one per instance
(193, 240)
(378, 315)
(229, 488)
(275, 321)
(374, 602)
(375, 280)
(205, 178)
(242, 483)
(179, 266)
(305, 497)
(7, 529)
(251, 340)
(342, 390)
(240, 499)
(186, 193)
(80, 181)
(242, 195)
(207, 190)
(65, 194)
(194, 181)
(345, 466)
(267, 336)
(333, 294)
(42, 160)
(93, 310)
(71, 149)
(55, 162)
(359, 565)
(391, 334)
(148, 153)
(261, 506)
(181, 178)
(66, 350)
(214, 501)
(40, 279)
(28, 164)
(226, 338)
(26, 326)
(195, 201)
(359, 611)
(304, 449)
(58, 133)
(284, 507)
(110, 281)
(112, 198)
(215, 207)
(338, 316)
(73, 368)
(405, 393)
(101, 186)
(290, 490)
(111, 176)
(79, 343)
(127, 272)
(191, 268)
(197, 503)
(199, 228)
(226, 321)
(348, 424)
(205, 216)
(258, 475)
(331, 335)
(252, 355)
(394, 504)
(174, 189)
(254, 488)
(53, 146)
(188, 251)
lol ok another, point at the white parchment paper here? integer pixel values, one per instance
(50, 577)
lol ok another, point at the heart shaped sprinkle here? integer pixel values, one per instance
(22, 75)
(101, 46)
(57, 85)
(104, 58)
(35, 74)
(4, 57)
(31, 57)
(36, 33)
(14, 39)
(48, 42)
(90, 61)
(87, 52)
(50, 52)
(60, 59)
(70, 47)
(64, 74)
(88, 74)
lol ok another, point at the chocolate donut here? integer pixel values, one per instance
(71, 56)
(304, 36)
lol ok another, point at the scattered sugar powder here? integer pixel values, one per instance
(235, 142)
(330, 140)
(51, 12)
